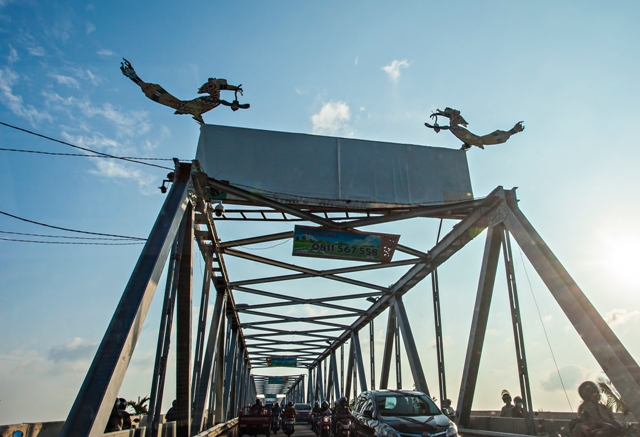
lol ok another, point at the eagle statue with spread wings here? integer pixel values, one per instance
(195, 107)
(456, 123)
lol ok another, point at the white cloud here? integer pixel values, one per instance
(13, 55)
(36, 51)
(105, 52)
(89, 27)
(66, 80)
(571, 377)
(333, 118)
(393, 69)
(62, 30)
(356, 61)
(112, 169)
(76, 350)
(620, 316)
(8, 78)
(127, 123)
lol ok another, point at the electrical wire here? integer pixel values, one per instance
(63, 236)
(69, 242)
(269, 247)
(545, 330)
(83, 148)
(82, 155)
(70, 230)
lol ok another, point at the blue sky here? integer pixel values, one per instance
(370, 70)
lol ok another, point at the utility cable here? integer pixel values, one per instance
(69, 242)
(83, 148)
(82, 155)
(70, 230)
(545, 330)
(63, 236)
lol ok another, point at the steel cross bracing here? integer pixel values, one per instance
(263, 313)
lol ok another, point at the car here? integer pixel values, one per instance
(303, 412)
(400, 413)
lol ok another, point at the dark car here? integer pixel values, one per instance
(400, 413)
(303, 412)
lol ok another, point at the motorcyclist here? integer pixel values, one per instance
(342, 407)
(325, 409)
(594, 419)
(276, 410)
(289, 411)
(257, 407)
(341, 411)
(316, 408)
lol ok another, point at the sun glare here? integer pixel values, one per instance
(622, 256)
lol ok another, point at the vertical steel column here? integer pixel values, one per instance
(336, 381)
(233, 401)
(92, 407)
(309, 385)
(388, 349)
(164, 336)
(355, 374)
(330, 381)
(398, 356)
(478, 326)
(228, 371)
(202, 325)
(320, 380)
(518, 335)
(202, 389)
(342, 390)
(437, 317)
(183, 335)
(350, 370)
(217, 385)
(372, 355)
(410, 347)
(359, 361)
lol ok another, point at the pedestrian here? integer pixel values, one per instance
(508, 406)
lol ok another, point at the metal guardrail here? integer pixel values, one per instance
(482, 433)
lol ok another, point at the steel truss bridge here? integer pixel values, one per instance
(218, 371)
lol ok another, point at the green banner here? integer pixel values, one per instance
(357, 246)
(271, 396)
(276, 380)
(282, 362)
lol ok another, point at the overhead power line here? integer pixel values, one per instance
(106, 155)
(70, 230)
(66, 237)
(82, 155)
(69, 242)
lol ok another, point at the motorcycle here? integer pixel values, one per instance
(315, 423)
(325, 426)
(288, 427)
(275, 423)
(343, 427)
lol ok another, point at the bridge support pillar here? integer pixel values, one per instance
(359, 361)
(478, 327)
(183, 335)
(92, 407)
(388, 349)
(410, 347)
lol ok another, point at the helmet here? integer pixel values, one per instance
(587, 389)
(290, 404)
(275, 405)
(258, 401)
(317, 404)
(325, 405)
(342, 400)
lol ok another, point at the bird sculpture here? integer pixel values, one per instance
(195, 107)
(456, 123)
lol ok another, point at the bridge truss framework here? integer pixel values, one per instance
(219, 378)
